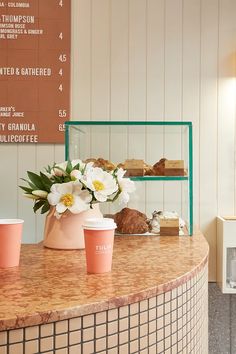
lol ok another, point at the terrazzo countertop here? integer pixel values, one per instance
(52, 285)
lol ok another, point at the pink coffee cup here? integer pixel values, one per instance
(10, 242)
(99, 239)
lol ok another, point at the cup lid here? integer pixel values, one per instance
(99, 224)
(11, 221)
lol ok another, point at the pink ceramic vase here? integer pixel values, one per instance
(67, 232)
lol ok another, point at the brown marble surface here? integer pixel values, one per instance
(52, 285)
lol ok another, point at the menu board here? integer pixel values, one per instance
(34, 70)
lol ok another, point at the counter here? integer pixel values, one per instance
(154, 299)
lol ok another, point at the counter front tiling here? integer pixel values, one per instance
(154, 300)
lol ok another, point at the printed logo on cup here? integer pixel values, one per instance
(103, 249)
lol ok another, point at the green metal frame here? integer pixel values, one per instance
(188, 178)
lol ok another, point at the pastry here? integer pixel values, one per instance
(134, 167)
(90, 160)
(121, 165)
(100, 162)
(131, 221)
(106, 164)
(158, 169)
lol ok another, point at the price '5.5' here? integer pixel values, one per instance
(62, 113)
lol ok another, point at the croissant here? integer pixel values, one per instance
(131, 221)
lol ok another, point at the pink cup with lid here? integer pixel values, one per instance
(10, 242)
(99, 239)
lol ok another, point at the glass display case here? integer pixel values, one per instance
(156, 155)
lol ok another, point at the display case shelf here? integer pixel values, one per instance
(159, 178)
(150, 141)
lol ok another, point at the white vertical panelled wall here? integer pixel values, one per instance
(148, 60)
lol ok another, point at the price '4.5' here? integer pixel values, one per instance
(62, 58)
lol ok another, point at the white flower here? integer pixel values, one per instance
(69, 196)
(126, 186)
(88, 168)
(102, 183)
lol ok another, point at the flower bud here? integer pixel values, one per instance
(75, 174)
(40, 193)
(30, 196)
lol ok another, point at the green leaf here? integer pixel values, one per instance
(38, 205)
(29, 183)
(46, 207)
(48, 169)
(67, 179)
(46, 182)
(58, 179)
(68, 167)
(36, 180)
(26, 189)
(76, 167)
